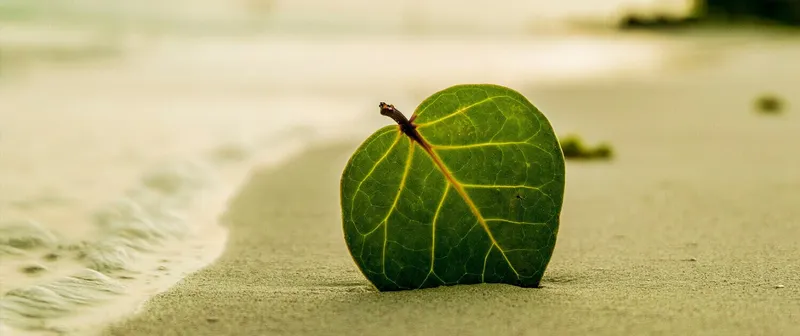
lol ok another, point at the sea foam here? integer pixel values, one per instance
(147, 218)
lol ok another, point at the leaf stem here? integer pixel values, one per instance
(391, 112)
(406, 126)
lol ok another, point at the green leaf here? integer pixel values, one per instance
(469, 190)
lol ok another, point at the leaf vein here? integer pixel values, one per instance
(492, 186)
(394, 205)
(487, 144)
(460, 189)
(485, 259)
(513, 222)
(358, 188)
(418, 113)
(433, 231)
(459, 111)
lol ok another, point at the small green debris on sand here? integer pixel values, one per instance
(780, 12)
(659, 22)
(574, 148)
(769, 104)
(52, 256)
(33, 269)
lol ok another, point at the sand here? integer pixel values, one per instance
(691, 229)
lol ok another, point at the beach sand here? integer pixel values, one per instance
(691, 229)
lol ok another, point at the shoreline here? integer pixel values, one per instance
(116, 222)
(120, 281)
(121, 264)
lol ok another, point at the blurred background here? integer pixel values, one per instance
(95, 93)
(92, 92)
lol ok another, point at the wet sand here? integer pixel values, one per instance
(691, 229)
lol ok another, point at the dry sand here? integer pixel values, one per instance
(692, 229)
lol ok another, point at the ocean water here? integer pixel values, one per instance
(124, 131)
